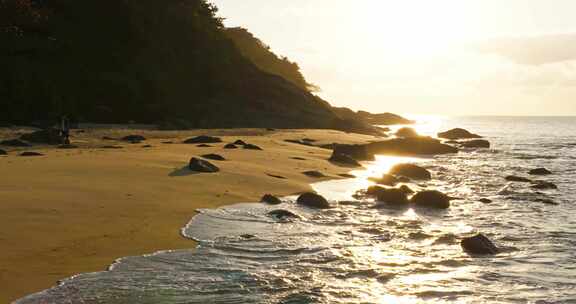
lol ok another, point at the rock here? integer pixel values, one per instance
(406, 189)
(314, 174)
(214, 157)
(543, 185)
(393, 196)
(270, 199)
(240, 142)
(384, 118)
(406, 133)
(357, 152)
(346, 175)
(283, 215)
(203, 139)
(546, 201)
(31, 153)
(485, 201)
(134, 138)
(458, 133)
(230, 146)
(344, 160)
(374, 190)
(514, 178)
(2, 152)
(477, 143)
(386, 179)
(251, 147)
(199, 165)
(411, 171)
(112, 147)
(204, 146)
(67, 146)
(108, 138)
(479, 244)
(15, 143)
(431, 199)
(168, 142)
(147, 146)
(298, 158)
(409, 147)
(50, 136)
(313, 200)
(540, 171)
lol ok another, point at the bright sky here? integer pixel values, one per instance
(451, 57)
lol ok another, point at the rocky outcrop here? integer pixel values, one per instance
(313, 200)
(540, 171)
(343, 159)
(458, 133)
(199, 165)
(431, 199)
(203, 139)
(479, 244)
(270, 199)
(384, 119)
(411, 171)
(392, 196)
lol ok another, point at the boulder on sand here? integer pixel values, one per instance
(50, 136)
(313, 200)
(214, 157)
(431, 199)
(203, 139)
(31, 153)
(479, 244)
(15, 143)
(411, 171)
(392, 196)
(200, 165)
(458, 133)
(270, 199)
(477, 143)
(540, 171)
(407, 132)
(343, 159)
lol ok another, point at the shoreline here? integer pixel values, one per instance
(137, 202)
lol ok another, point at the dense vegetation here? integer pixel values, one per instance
(146, 61)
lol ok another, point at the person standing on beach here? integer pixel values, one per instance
(65, 130)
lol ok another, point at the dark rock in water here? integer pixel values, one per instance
(485, 201)
(357, 152)
(50, 136)
(374, 190)
(251, 147)
(247, 236)
(546, 201)
(514, 178)
(112, 147)
(407, 133)
(543, 185)
(67, 146)
(203, 139)
(344, 159)
(458, 133)
(240, 142)
(282, 214)
(393, 196)
(431, 199)
(214, 157)
(410, 146)
(2, 152)
(479, 244)
(200, 165)
(204, 146)
(477, 143)
(230, 146)
(412, 171)
(540, 171)
(386, 179)
(270, 199)
(134, 138)
(15, 143)
(31, 153)
(314, 174)
(313, 200)
(406, 189)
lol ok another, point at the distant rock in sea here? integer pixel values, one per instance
(520, 179)
(313, 200)
(479, 244)
(458, 133)
(476, 143)
(540, 171)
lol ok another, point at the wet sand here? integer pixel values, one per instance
(75, 211)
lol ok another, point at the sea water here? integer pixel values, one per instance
(356, 253)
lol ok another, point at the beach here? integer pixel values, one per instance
(73, 211)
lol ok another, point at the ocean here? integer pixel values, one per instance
(355, 253)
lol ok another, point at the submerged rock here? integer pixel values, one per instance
(134, 138)
(411, 171)
(313, 200)
(200, 165)
(477, 143)
(458, 133)
(479, 244)
(282, 214)
(203, 139)
(431, 199)
(407, 132)
(214, 157)
(50, 136)
(514, 178)
(543, 185)
(270, 199)
(344, 160)
(540, 171)
(31, 153)
(393, 196)
(251, 147)
(15, 143)
(230, 146)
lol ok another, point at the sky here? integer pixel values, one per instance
(446, 57)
